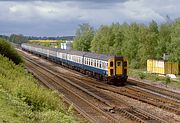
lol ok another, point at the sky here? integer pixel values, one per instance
(62, 17)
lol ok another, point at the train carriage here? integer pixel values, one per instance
(107, 67)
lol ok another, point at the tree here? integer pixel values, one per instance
(148, 38)
(131, 44)
(174, 46)
(103, 41)
(18, 39)
(118, 39)
(8, 51)
(84, 36)
(164, 39)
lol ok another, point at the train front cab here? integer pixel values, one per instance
(117, 70)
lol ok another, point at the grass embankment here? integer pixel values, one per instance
(142, 74)
(22, 100)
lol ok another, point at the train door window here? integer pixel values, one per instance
(118, 63)
(97, 63)
(94, 63)
(111, 64)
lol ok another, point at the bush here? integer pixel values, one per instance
(142, 75)
(168, 80)
(135, 64)
(8, 51)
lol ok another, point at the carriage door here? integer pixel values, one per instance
(118, 67)
(111, 67)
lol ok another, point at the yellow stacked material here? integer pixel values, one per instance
(162, 67)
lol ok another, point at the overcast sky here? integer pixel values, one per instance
(62, 17)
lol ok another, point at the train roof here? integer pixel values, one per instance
(79, 53)
(98, 56)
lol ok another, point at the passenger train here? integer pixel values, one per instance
(110, 68)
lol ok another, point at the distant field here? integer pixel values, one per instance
(45, 41)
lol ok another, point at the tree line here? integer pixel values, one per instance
(19, 38)
(137, 42)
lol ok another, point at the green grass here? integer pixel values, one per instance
(142, 74)
(13, 109)
(22, 100)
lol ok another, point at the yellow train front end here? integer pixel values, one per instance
(117, 70)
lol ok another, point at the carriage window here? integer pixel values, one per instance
(88, 61)
(118, 63)
(103, 65)
(100, 64)
(97, 63)
(94, 63)
(111, 64)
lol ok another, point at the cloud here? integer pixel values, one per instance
(63, 16)
(138, 11)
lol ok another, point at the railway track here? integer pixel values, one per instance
(168, 103)
(113, 105)
(159, 90)
(147, 97)
(88, 110)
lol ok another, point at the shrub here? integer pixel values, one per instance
(8, 51)
(168, 80)
(142, 75)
